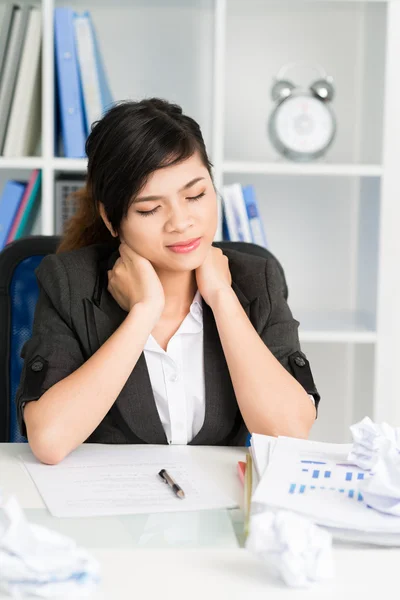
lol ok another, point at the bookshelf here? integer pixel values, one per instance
(334, 223)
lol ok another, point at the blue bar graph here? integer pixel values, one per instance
(327, 474)
(302, 489)
(315, 474)
(360, 476)
(349, 476)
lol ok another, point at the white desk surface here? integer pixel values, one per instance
(216, 568)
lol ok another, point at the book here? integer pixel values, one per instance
(69, 92)
(241, 470)
(253, 214)
(30, 192)
(30, 211)
(9, 203)
(11, 66)
(23, 130)
(248, 492)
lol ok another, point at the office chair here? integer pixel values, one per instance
(18, 297)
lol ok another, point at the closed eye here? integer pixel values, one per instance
(146, 213)
(196, 197)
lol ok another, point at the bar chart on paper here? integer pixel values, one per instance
(315, 479)
(332, 476)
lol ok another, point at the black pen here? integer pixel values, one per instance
(174, 486)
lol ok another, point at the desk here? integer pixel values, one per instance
(197, 556)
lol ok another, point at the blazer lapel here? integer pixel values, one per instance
(221, 408)
(134, 409)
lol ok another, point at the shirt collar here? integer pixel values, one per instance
(196, 308)
(193, 323)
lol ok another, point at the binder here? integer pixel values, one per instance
(23, 131)
(9, 204)
(240, 210)
(30, 192)
(230, 214)
(65, 205)
(6, 16)
(106, 95)
(255, 221)
(93, 105)
(11, 66)
(69, 87)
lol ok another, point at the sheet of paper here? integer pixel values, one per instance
(111, 480)
(262, 447)
(315, 479)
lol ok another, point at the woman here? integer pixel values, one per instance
(144, 332)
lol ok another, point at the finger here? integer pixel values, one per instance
(129, 254)
(126, 252)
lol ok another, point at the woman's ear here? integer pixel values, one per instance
(106, 221)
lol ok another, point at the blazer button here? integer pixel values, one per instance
(299, 361)
(37, 366)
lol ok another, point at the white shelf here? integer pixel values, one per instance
(21, 163)
(70, 164)
(287, 168)
(338, 337)
(353, 327)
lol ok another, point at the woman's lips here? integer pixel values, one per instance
(184, 247)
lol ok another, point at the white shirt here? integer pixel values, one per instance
(177, 377)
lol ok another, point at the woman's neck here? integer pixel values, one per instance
(179, 291)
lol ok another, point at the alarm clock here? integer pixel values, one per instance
(302, 125)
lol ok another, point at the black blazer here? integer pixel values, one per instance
(75, 314)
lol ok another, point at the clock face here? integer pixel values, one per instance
(304, 124)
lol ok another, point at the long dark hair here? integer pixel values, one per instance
(131, 141)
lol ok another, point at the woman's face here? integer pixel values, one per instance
(177, 205)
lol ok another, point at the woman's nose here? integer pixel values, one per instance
(179, 220)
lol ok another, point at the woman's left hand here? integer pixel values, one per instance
(213, 276)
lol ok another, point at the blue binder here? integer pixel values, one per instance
(255, 221)
(9, 203)
(69, 86)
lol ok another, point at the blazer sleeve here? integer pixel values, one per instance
(53, 352)
(280, 332)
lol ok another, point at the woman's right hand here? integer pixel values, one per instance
(133, 281)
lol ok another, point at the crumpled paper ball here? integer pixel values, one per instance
(292, 546)
(37, 562)
(376, 449)
(371, 441)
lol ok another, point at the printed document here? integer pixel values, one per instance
(123, 479)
